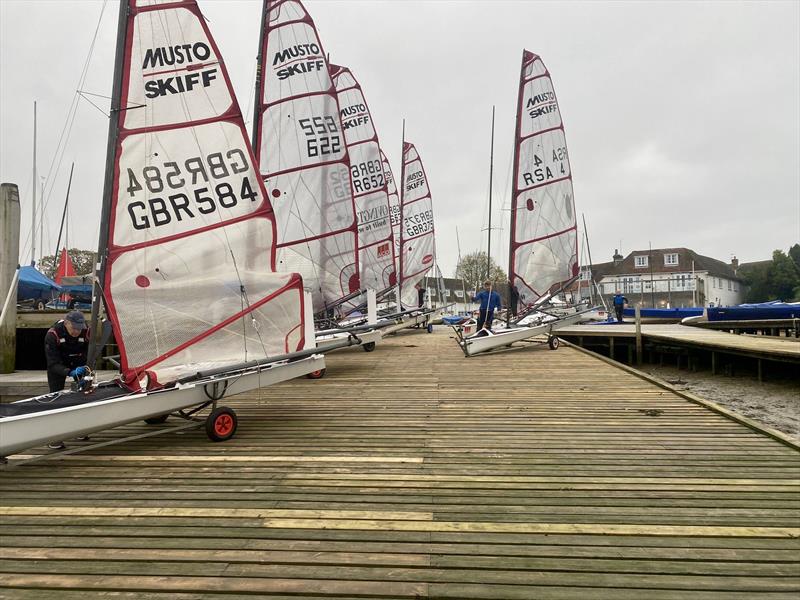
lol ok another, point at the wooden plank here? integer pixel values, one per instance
(410, 472)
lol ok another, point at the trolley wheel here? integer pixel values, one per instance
(157, 420)
(318, 374)
(368, 347)
(221, 424)
(553, 342)
(430, 327)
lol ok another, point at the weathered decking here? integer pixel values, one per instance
(771, 348)
(411, 472)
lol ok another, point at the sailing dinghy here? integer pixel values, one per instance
(543, 250)
(417, 244)
(187, 247)
(303, 158)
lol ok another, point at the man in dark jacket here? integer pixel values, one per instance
(66, 346)
(619, 304)
(490, 301)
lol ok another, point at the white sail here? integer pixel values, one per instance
(417, 244)
(544, 241)
(189, 283)
(375, 245)
(394, 207)
(302, 156)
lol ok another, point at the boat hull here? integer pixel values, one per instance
(29, 430)
(372, 336)
(505, 337)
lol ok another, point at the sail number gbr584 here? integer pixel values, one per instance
(196, 186)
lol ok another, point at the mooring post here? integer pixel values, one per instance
(9, 262)
(638, 313)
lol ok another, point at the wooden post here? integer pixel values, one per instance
(760, 371)
(611, 347)
(638, 313)
(713, 363)
(9, 257)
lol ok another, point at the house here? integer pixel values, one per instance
(666, 278)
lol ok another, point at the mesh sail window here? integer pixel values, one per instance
(544, 240)
(302, 155)
(376, 259)
(190, 280)
(417, 245)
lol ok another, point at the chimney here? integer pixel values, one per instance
(617, 257)
(735, 264)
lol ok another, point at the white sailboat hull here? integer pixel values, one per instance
(505, 337)
(406, 321)
(29, 430)
(372, 336)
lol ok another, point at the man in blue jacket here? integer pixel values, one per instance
(619, 304)
(490, 301)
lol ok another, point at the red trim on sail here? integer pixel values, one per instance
(231, 115)
(271, 6)
(528, 58)
(294, 283)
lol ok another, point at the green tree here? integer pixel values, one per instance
(783, 277)
(472, 269)
(82, 260)
(776, 280)
(794, 253)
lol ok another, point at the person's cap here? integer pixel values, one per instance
(76, 318)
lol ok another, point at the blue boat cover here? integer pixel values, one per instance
(33, 285)
(665, 313)
(755, 312)
(453, 319)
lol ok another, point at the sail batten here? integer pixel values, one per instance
(302, 155)
(543, 251)
(189, 280)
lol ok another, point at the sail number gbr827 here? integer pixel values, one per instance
(195, 186)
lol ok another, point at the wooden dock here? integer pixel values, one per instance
(412, 472)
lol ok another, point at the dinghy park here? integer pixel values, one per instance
(242, 372)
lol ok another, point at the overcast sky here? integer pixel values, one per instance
(682, 119)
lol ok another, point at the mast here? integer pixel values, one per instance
(491, 168)
(402, 185)
(63, 217)
(35, 184)
(41, 221)
(256, 129)
(108, 184)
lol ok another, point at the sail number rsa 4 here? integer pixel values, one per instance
(417, 244)
(190, 282)
(302, 155)
(370, 194)
(544, 241)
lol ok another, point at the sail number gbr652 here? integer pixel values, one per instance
(175, 191)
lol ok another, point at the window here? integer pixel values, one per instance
(640, 261)
(459, 293)
(735, 287)
(586, 275)
(729, 285)
(670, 260)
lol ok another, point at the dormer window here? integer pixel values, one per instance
(671, 260)
(640, 261)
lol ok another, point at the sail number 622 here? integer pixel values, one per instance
(322, 136)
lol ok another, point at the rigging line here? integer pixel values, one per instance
(81, 94)
(66, 130)
(71, 113)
